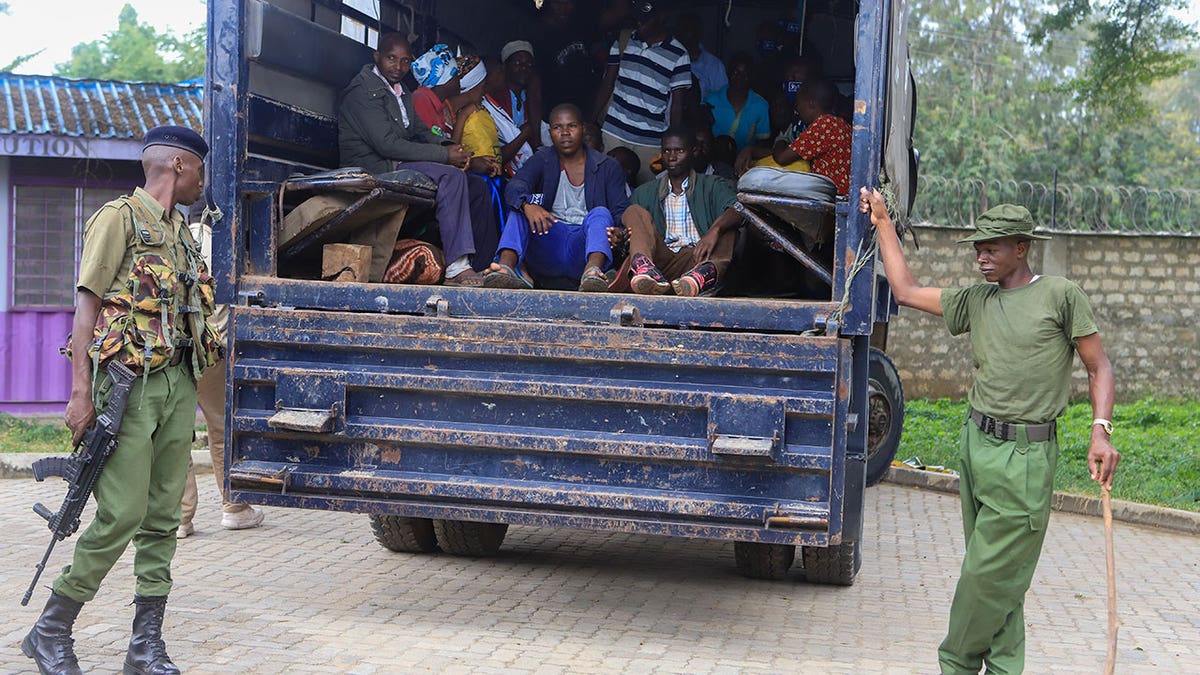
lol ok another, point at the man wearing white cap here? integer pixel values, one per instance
(517, 119)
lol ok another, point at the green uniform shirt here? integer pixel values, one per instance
(1023, 342)
(108, 245)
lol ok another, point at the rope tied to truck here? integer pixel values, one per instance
(868, 250)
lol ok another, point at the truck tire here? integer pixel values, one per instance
(835, 565)
(405, 535)
(885, 415)
(763, 561)
(467, 538)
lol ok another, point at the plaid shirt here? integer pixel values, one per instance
(681, 229)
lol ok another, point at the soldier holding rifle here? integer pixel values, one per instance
(142, 298)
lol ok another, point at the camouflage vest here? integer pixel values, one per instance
(163, 304)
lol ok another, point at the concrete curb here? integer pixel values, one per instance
(1176, 520)
(20, 464)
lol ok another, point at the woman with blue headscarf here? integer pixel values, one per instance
(437, 72)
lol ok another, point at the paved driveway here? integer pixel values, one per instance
(312, 592)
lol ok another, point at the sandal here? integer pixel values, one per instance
(470, 278)
(506, 277)
(593, 280)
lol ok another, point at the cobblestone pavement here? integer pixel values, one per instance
(311, 592)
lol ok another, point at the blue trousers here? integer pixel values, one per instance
(563, 251)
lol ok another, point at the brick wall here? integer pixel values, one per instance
(1145, 291)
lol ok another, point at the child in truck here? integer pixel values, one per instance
(480, 136)
(825, 142)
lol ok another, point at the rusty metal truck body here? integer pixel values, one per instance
(449, 413)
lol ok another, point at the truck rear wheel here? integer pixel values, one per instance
(835, 565)
(885, 415)
(405, 535)
(763, 561)
(463, 537)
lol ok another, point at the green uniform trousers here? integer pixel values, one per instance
(138, 493)
(1006, 488)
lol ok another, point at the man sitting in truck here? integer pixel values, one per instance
(379, 130)
(564, 200)
(682, 226)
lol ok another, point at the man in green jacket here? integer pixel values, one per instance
(681, 226)
(379, 130)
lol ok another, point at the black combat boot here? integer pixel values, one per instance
(147, 653)
(49, 644)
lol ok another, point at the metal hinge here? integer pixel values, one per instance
(625, 314)
(251, 298)
(437, 306)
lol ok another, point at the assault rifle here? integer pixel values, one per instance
(82, 469)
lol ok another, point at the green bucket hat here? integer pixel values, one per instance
(1006, 220)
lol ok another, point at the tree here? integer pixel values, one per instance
(138, 52)
(1133, 44)
(995, 105)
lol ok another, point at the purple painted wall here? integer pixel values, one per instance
(34, 378)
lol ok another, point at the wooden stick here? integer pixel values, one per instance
(1110, 663)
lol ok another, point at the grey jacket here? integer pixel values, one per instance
(371, 131)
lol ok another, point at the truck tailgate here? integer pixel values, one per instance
(703, 433)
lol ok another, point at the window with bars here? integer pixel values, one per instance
(358, 30)
(47, 240)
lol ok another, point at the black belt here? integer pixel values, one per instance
(1007, 431)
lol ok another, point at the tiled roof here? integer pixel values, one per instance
(59, 106)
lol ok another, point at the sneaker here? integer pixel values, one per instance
(243, 520)
(185, 530)
(646, 279)
(701, 278)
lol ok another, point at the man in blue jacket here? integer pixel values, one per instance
(564, 202)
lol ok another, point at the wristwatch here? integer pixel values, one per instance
(1105, 424)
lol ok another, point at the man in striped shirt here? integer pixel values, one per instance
(645, 81)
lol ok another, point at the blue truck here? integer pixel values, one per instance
(447, 414)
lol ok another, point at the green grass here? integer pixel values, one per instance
(32, 435)
(42, 435)
(1159, 442)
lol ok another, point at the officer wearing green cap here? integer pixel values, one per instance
(142, 297)
(1025, 331)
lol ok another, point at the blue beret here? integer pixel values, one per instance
(177, 137)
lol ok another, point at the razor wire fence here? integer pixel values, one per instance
(957, 202)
